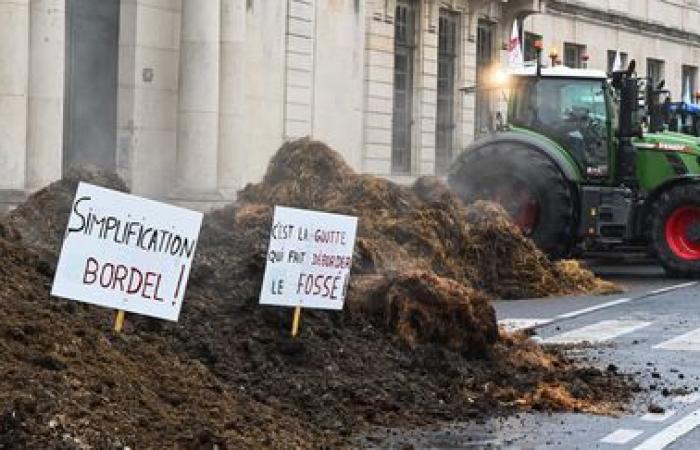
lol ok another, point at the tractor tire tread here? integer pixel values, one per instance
(665, 204)
(556, 241)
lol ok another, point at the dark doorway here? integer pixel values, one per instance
(404, 49)
(92, 54)
(447, 64)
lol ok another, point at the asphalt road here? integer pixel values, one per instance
(652, 330)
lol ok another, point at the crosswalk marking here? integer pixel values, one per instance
(580, 312)
(522, 324)
(688, 342)
(672, 288)
(604, 330)
(657, 417)
(672, 432)
(688, 398)
(621, 436)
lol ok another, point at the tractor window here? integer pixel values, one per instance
(570, 111)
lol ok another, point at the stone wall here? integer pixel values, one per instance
(664, 30)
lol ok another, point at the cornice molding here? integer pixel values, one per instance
(619, 19)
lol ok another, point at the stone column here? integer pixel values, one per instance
(232, 114)
(46, 75)
(14, 74)
(198, 103)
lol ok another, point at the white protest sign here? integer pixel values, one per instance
(125, 252)
(309, 259)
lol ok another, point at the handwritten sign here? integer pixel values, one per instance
(309, 259)
(125, 252)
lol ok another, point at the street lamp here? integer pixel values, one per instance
(553, 54)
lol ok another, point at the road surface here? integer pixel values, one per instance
(652, 330)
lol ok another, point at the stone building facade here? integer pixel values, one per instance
(662, 36)
(188, 99)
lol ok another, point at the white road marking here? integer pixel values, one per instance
(579, 312)
(671, 288)
(655, 417)
(672, 432)
(604, 330)
(620, 301)
(621, 436)
(688, 398)
(522, 324)
(685, 342)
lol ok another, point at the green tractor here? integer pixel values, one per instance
(577, 172)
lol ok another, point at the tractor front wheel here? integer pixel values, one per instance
(675, 230)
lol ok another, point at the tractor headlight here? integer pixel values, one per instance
(499, 78)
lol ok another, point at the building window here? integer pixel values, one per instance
(573, 55)
(529, 51)
(402, 120)
(655, 70)
(611, 60)
(690, 76)
(483, 121)
(447, 64)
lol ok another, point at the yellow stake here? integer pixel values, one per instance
(119, 321)
(295, 321)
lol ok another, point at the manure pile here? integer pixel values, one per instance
(416, 344)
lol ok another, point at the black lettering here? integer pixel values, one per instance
(177, 245)
(188, 247)
(83, 220)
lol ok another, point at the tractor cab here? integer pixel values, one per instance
(575, 108)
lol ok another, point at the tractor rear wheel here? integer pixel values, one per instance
(675, 230)
(528, 185)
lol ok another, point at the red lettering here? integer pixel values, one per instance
(90, 271)
(300, 283)
(335, 287)
(126, 279)
(326, 286)
(309, 284)
(327, 292)
(146, 284)
(103, 283)
(120, 275)
(317, 286)
(132, 289)
(155, 291)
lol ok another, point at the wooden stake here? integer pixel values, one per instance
(119, 321)
(295, 321)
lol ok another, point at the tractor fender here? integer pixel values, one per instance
(548, 148)
(671, 182)
(642, 218)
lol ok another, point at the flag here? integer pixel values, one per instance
(617, 64)
(515, 51)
